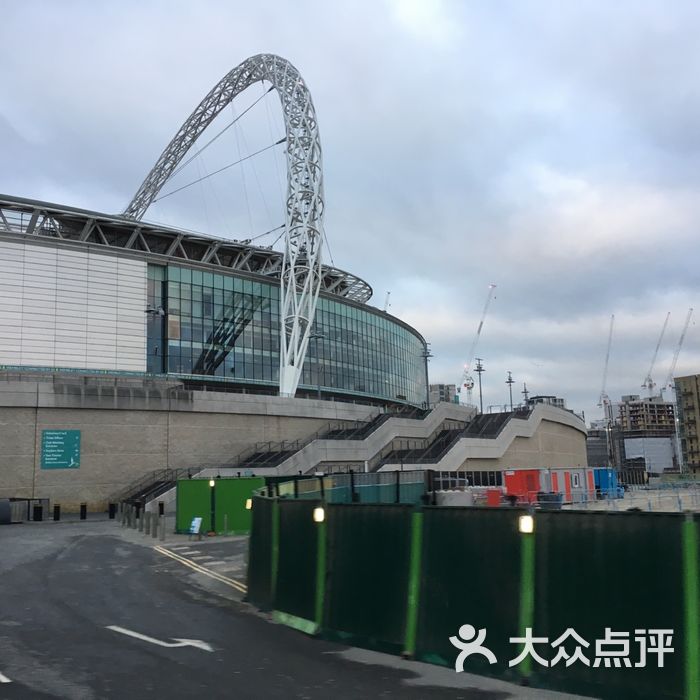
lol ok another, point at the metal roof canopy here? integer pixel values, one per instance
(31, 217)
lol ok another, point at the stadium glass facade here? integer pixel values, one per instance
(227, 327)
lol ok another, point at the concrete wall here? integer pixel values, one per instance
(126, 437)
(552, 445)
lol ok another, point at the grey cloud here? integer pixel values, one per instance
(434, 130)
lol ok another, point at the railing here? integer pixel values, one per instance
(385, 487)
(359, 430)
(159, 475)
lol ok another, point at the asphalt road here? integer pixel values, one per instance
(63, 585)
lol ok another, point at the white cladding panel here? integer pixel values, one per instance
(71, 308)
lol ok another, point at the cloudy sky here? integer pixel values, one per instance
(551, 148)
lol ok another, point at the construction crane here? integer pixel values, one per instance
(467, 380)
(668, 384)
(648, 382)
(604, 400)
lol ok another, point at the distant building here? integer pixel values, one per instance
(549, 400)
(598, 448)
(646, 435)
(651, 414)
(442, 392)
(688, 401)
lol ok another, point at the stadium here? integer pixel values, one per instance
(129, 347)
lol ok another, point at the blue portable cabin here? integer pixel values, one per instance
(606, 483)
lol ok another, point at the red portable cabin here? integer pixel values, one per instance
(523, 483)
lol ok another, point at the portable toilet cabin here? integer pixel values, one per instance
(606, 483)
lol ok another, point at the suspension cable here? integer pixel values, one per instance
(226, 128)
(220, 170)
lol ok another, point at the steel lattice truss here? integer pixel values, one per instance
(300, 279)
(71, 226)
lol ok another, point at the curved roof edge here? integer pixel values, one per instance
(32, 217)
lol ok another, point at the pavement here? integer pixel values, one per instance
(90, 610)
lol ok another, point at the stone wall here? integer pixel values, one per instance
(552, 445)
(128, 434)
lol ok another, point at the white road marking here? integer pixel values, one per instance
(201, 557)
(198, 643)
(238, 585)
(4, 679)
(228, 567)
(214, 563)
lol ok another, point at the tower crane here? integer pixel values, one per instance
(669, 379)
(604, 400)
(467, 380)
(648, 381)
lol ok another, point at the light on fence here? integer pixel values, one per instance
(248, 503)
(212, 483)
(319, 515)
(526, 524)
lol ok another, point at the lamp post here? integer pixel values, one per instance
(480, 370)
(317, 337)
(426, 355)
(212, 503)
(510, 381)
(155, 313)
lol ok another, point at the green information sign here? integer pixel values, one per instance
(60, 449)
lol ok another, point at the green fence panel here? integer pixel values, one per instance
(622, 571)
(338, 494)
(412, 493)
(691, 595)
(368, 563)
(295, 592)
(260, 583)
(230, 498)
(471, 561)
(193, 501)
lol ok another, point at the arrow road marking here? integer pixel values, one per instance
(198, 643)
(4, 679)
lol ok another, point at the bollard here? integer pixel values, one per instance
(161, 508)
(147, 523)
(154, 525)
(161, 518)
(83, 511)
(57, 512)
(225, 524)
(650, 505)
(680, 504)
(112, 511)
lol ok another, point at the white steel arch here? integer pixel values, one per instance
(301, 267)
